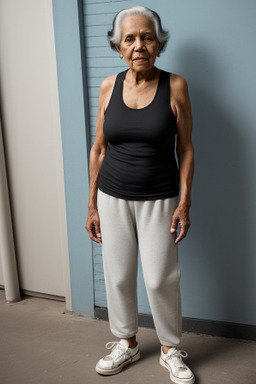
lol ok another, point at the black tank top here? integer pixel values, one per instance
(140, 161)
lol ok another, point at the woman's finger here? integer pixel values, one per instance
(184, 227)
(96, 235)
(174, 225)
(181, 236)
(97, 231)
(90, 227)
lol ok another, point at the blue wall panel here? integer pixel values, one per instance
(211, 45)
(74, 143)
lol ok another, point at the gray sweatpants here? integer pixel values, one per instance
(125, 225)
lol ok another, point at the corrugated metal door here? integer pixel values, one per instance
(102, 61)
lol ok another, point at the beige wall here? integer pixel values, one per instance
(32, 135)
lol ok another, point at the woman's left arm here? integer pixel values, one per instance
(180, 104)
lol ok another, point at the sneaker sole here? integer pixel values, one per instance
(118, 369)
(191, 380)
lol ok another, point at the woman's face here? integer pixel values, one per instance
(139, 44)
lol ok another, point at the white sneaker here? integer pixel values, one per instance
(120, 356)
(179, 372)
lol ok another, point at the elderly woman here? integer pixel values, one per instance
(138, 195)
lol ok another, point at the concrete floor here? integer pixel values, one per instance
(41, 343)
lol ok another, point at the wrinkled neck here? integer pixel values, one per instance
(139, 77)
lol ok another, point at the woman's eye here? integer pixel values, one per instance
(148, 38)
(129, 39)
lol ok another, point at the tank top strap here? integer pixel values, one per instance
(119, 81)
(164, 86)
(116, 96)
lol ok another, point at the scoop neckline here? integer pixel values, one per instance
(147, 106)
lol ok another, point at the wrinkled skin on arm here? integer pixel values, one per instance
(181, 107)
(97, 155)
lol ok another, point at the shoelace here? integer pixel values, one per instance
(118, 349)
(177, 358)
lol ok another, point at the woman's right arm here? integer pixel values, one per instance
(97, 155)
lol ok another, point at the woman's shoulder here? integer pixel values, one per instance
(177, 83)
(108, 83)
(179, 96)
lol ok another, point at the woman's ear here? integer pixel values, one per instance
(119, 51)
(159, 49)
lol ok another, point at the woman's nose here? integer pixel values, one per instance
(139, 44)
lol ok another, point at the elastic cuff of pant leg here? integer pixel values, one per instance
(122, 336)
(168, 344)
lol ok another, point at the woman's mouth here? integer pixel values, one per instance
(140, 59)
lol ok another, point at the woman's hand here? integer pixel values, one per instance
(181, 218)
(93, 225)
